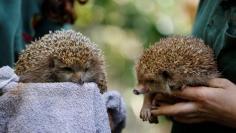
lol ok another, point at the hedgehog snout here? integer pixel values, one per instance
(136, 92)
(140, 90)
(79, 81)
(77, 78)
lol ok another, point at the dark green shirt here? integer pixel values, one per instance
(11, 41)
(16, 27)
(216, 24)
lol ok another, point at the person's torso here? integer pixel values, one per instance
(216, 25)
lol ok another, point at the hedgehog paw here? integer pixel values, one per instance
(145, 114)
(153, 120)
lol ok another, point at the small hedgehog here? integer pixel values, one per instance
(62, 56)
(171, 64)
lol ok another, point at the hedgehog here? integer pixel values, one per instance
(62, 56)
(171, 64)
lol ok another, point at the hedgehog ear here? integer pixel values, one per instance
(55, 62)
(165, 74)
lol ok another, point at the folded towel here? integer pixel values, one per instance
(7, 75)
(116, 108)
(50, 107)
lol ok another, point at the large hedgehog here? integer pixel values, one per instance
(170, 64)
(62, 56)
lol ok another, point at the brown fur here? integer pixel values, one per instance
(172, 63)
(63, 56)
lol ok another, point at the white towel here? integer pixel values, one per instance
(50, 107)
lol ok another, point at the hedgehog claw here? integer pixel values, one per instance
(145, 113)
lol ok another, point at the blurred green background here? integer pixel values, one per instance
(123, 29)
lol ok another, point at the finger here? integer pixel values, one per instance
(193, 93)
(176, 109)
(220, 83)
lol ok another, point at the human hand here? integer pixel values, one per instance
(216, 103)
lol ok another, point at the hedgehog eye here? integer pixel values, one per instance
(86, 69)
(67, 69)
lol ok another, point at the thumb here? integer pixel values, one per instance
(220, 83)
(194, 93)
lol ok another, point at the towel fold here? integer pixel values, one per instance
(116, 109)
(7, 75)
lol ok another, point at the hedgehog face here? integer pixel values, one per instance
(153, 83)
(78, 73)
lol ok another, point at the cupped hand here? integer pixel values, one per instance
(216, 103)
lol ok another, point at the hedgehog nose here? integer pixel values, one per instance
(140, 90)
(136, 92)
(77, 78)
(80, 81)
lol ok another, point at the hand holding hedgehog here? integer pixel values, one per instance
(170, 65)
(215, 103)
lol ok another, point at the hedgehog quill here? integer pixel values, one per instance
(168, 66)
(62, 56)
